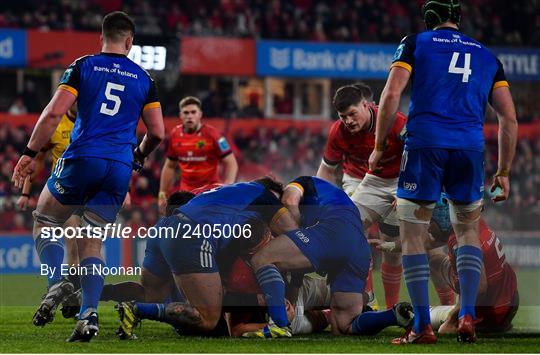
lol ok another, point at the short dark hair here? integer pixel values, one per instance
(351, 95)
(117, 25)
(189, 100)
(271, 184)
(178, 199)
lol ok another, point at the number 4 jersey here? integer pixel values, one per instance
(453, 77)
(112, 92)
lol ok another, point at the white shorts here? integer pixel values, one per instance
(375, 193)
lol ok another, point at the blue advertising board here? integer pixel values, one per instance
(13, 48)
(18, 254)
(326, 60)
(520, 64)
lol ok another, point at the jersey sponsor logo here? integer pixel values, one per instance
(410, 186)
(302, 236)
(200, 144)
(399, 52)
(223, 144)
(59, 188)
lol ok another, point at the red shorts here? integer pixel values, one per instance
(496, 319)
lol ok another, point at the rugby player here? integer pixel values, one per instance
(196, 149)
(350, 141)
(111, 93)
(454, 77)
(498, 299)
(330, 241)
(193, 258)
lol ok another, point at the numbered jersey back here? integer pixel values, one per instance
(112, 91)
(452, 80)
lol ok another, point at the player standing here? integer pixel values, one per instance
(196, 148)
(350, 141)
(454, 79)
(94, 171)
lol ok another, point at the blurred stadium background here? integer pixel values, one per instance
(265, 72)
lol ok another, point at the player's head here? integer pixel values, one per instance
(271, 184)
(190, 113)
(177, 199)
(436, 12)
(118, 29)
(440, 226)
(352, 105)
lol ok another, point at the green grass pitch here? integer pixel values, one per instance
(19, 295)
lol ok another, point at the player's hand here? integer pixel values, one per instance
(138, 160)
(374, 160)
(502, 184)
(162, 203)
(22, 203)
(25, 167)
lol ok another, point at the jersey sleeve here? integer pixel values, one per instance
(304, 184)
(499, 80)
(267, 205)
(404, 55)
(152, 100)
(71, 79)
(221, 145)
(333, 154)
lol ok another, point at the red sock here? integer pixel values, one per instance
(369, 281)
(391, 278)
(447, 296)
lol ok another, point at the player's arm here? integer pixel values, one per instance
(292, 195)
(155, 131)
(22, 202)
(391, 94)
(508, 127)
(166, 181)
(230, 168)
(327, 172)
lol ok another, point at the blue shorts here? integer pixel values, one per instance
(426, 172)
(187, 255)
(339, 248)
(100, 185)
(154, 261)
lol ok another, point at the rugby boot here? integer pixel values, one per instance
(85, 329)
(426, 336)
(56, 294)
(128, 320)
(466, 330)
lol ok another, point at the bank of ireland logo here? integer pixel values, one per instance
(279, 58)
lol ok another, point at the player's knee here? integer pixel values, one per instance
(465, 214)
(414, 212)
(368, 216)
(45, 220)
(260, 259)
(389, 230)
(189, 318)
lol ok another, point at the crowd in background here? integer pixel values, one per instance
(498, 22)
(285, 154)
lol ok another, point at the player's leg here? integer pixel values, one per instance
(419, 186)
(440, 269)
(280, 253)
(56, 203)
(464, 183)
(391, 268)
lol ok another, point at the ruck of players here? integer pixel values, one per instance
(306, 266)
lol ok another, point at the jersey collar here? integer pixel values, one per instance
(113, 54)
(372, 119)
(448, 29)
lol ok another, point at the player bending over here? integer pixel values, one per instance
(350, 141)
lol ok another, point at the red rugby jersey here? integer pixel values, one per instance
(353, 150)
(198, 155)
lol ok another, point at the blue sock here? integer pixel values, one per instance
(153, 311)
(273, 286)
(371, 323)
(51, 253)
(91, 284)
(416, 272)
(469, 268)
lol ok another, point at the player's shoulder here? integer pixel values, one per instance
(79, 61)
(211, 131)
(336, 130)
(175, 130)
